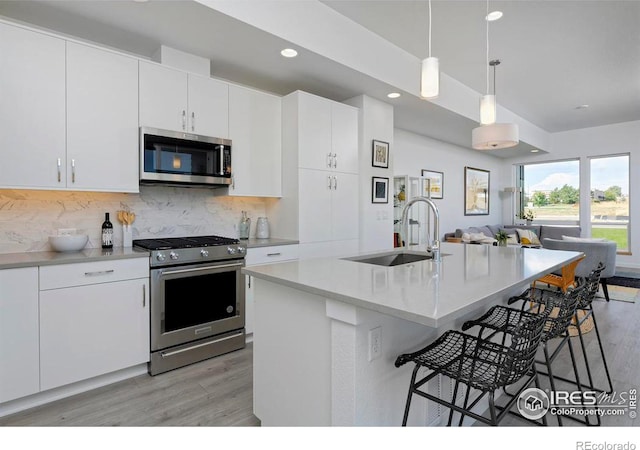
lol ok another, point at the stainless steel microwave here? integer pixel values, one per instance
(179, 158)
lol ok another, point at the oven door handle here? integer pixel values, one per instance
(202, 269)
(182, 350)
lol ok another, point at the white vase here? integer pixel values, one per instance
(262, 228)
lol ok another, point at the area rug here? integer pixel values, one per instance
(619, 293)
(624, 281)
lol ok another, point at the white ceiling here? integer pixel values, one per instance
(556, 54)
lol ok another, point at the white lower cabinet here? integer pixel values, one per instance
(96, 327)
(19, 355)
(263, 255)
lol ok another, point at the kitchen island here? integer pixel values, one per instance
(328, 330)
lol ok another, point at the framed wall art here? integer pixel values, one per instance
(380, 154)
(379, 190)
(436, 183)
(476, 192)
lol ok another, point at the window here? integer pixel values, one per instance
(610, 199)
(550, 190)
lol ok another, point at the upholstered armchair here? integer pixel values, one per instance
(595, 252)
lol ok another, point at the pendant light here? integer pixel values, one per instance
(430, 79)
(491, 135)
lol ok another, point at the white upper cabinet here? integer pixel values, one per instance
(208, 102)
(174, 100)
(255, 131)
(327, 134)
(69, 114)
(102, 120)
(344, 138)
(314, 132)
(163, 97)
(32, 109)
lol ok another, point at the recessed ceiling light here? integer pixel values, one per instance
(582, 107)
(393, 95)
(493, 15)
(289, 53)
(141, 1)
(535, 150)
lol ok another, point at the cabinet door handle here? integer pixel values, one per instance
(335, 183)
(249, 281)
(329, 182)
(98, 273)
(184, 119)
(144, 295)
(329, 163)
(233, 182)
(73, 170)
(193, 121)
(59, 167)
(274, 254)
(335, 160)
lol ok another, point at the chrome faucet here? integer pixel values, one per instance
(433, 246)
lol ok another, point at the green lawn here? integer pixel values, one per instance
(619, 235)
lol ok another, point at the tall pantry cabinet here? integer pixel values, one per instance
(319, 206)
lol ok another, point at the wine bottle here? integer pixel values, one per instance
(107, 232)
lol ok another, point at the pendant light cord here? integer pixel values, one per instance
(430, 28)
(485, 18)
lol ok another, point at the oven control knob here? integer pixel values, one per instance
(204, 253)
(240, 249)
(231, 251)
(173, 255)
(160, 257)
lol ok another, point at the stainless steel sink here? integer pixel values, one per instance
(393, 259)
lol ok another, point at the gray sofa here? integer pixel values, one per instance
(542, 231)
(595, 253)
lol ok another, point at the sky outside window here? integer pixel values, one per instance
(610, 171)
(548, 176)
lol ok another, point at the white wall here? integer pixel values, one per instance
(412, 153)
(27, 218)
(376, 219)
(598, 141)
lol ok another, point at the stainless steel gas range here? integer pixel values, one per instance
(197, 299)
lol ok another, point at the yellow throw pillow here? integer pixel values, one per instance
(528, 237)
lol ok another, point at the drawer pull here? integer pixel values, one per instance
(98, 273)
(274, 254)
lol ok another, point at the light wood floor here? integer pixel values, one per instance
(218, 392)
(215, 392)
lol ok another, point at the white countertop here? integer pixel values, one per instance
(424, 292)
(33, 259)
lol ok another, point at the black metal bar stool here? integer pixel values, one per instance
(585, 305)
(560, 309)
(479, 364)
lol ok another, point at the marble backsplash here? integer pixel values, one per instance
(28, 218)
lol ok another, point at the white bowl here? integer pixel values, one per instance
(68, 243)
